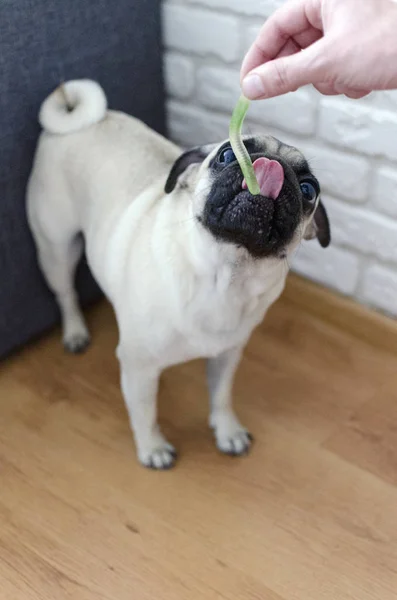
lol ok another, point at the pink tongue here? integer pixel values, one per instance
(270, 176)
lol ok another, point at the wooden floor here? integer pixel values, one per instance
(311, 514)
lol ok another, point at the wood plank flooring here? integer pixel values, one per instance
(311, 514)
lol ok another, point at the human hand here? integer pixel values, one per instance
(340, 46)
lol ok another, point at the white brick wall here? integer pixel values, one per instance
(351, 146)
(380, 287)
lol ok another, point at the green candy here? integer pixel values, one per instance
(238, 147)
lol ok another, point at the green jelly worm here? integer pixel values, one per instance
(238, 147)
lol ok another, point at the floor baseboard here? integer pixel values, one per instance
(352, 317)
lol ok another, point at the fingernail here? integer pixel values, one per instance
(253, 86)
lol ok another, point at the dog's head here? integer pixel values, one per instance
(267, 225)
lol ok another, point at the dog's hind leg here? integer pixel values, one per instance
(55, 229)
(58, 261)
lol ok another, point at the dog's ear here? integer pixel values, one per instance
(193, 156)
(319, 227)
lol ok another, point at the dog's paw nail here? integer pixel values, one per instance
(77, 343)
(237, 444)
(160, 459)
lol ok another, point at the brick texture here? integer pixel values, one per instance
(219, 88)
(380, 288)
(351, 145)
(179, 75)
(335, 267)
(262, 8)
(384, 195)
(194, 30)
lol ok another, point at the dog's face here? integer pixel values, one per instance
(267, 225)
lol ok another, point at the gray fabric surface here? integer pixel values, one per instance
(43, 42)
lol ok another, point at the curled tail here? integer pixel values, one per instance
(74, 105)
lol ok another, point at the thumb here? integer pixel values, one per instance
(287, 73)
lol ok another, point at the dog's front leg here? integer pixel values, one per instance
(231, 437)
(139, 384)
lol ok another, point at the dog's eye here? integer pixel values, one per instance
(227, 156)
(308, 190)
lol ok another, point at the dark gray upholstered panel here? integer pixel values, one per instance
(42, 42)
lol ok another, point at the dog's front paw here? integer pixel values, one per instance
(236, 443)
(161, 456)
(231, 437)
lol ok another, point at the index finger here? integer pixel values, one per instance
(287, 23)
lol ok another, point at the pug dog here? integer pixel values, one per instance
(189, 259)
